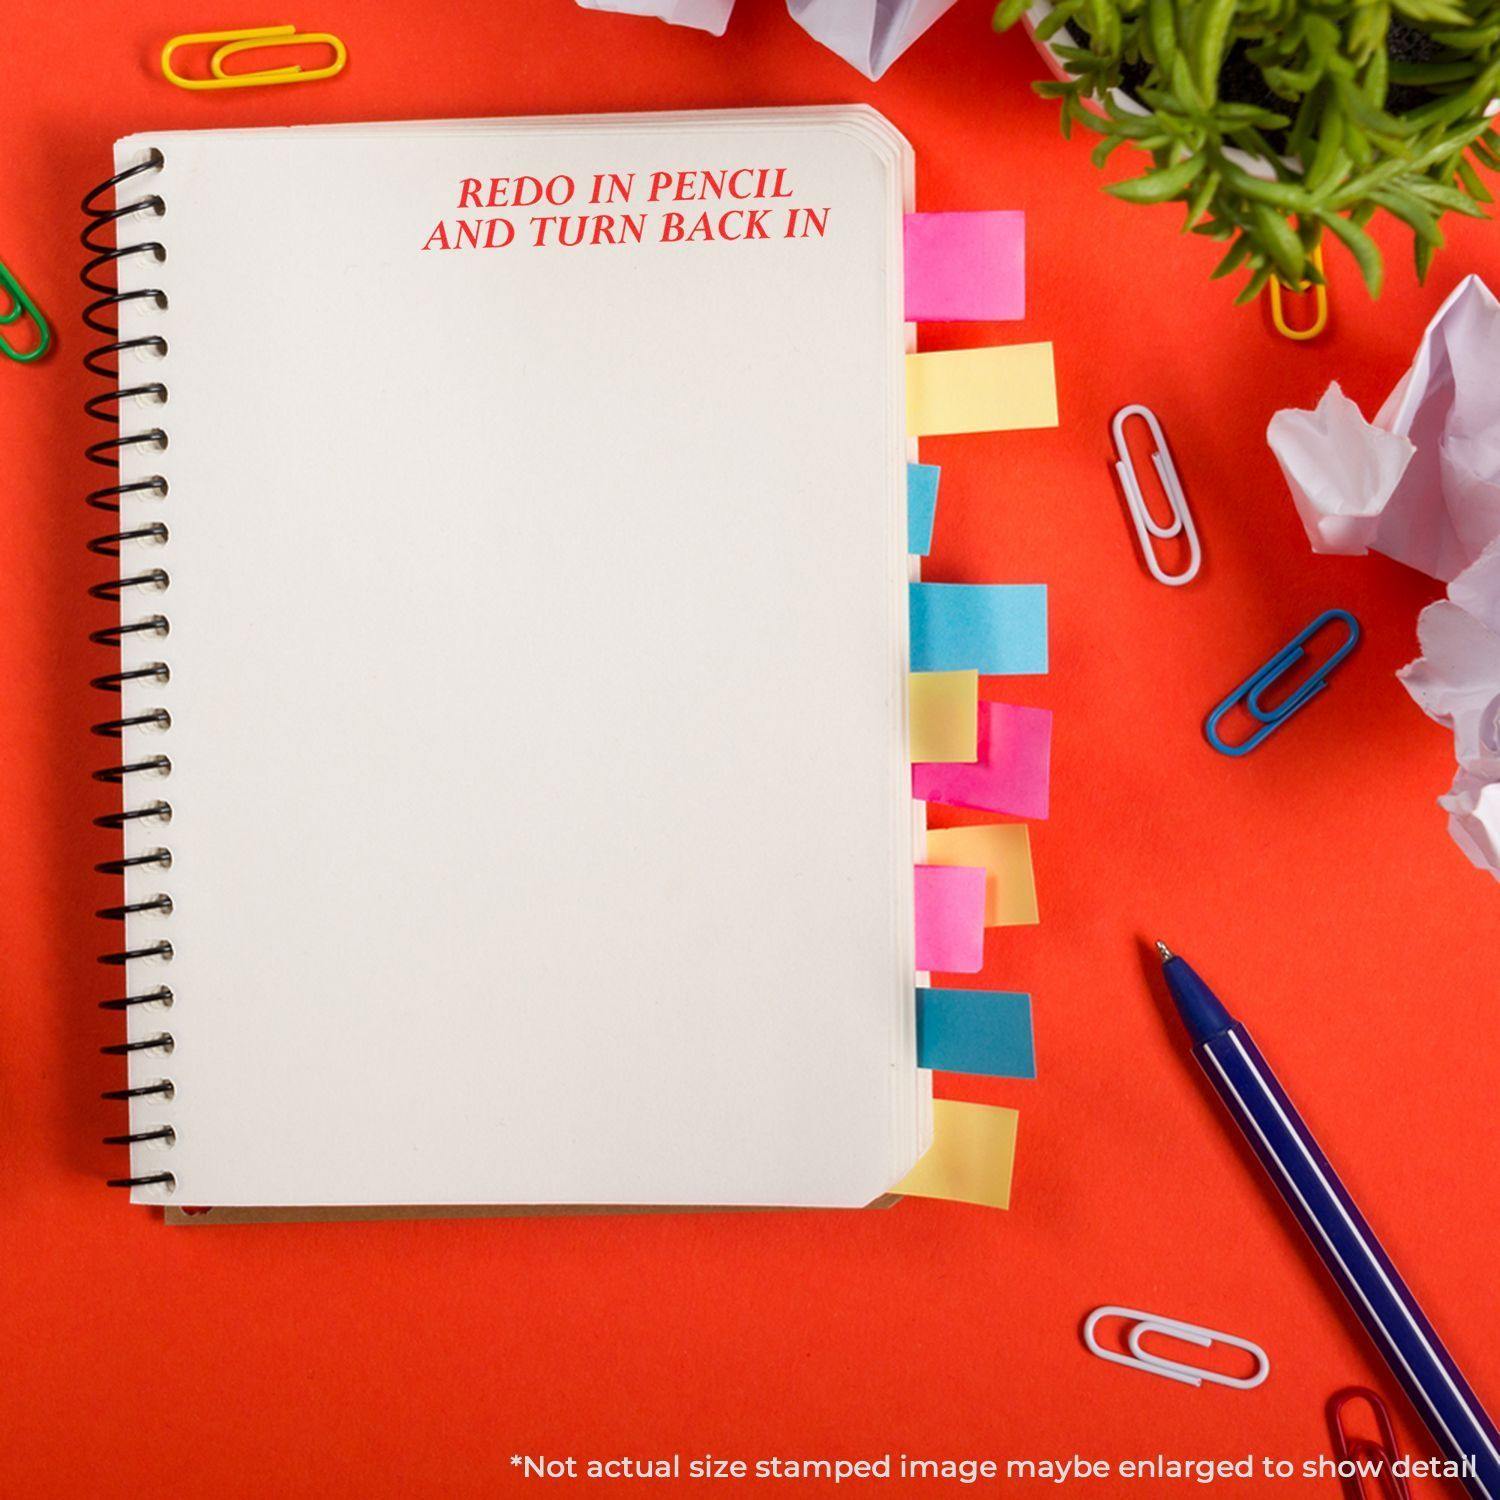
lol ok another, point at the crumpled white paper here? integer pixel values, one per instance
(1473, 808)
(1341, 470)
(1422, 485)
(1456, 681)
(870, 34)
(1422, 482)
(706, 15)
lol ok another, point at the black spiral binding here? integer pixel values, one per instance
(102, 317)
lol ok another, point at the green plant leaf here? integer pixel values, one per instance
(1365, 251)
(1161, 28)
(1105, 149)
(1321, 34)
(1288, 84)
(1131, 127)
(1008, 12)
(1233, 259)
(1183, 84)
(1376, 81)
(1373, 120)
(1431, 13)
(1422, 253)
(1424, 74)
(1254, 144)
(1253, 288)
(1104, 26)
(1203, 195)
(1367, 34)
(1168, 108)
(1469, 38)
(1330, 162)
(1280, 242)
(1160, 185)
(1050, 25)
(1473, 182)
(1411, 211)
(1091, 121)
(1250, 114)
(1210, 36)
(1441, 196)
(1283, 195)
(1311, 114)
(1462, 104)
(1357, 144)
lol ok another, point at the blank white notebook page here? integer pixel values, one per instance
(541, 825)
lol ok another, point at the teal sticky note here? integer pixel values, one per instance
(975, 1031)
(921, 506)
(998, 628)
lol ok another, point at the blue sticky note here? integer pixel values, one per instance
(921, 506)
(992, 627)
(975, 1031)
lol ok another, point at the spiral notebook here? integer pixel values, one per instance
(513, 654)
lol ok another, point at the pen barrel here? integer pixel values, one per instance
(1354, 1257)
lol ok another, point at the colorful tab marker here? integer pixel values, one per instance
(972, 1157)
(944, 724)
(1004, 852)
(991, 627)
(950, 919)
(987, 1032)
(994, 389)
(921, 506)
(966, 267)
(1010, 771)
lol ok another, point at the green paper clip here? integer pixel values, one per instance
(21, 303)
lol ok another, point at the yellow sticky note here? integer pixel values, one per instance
(972, 1157)
(1004, 849)
(995, 389)
(944, 716)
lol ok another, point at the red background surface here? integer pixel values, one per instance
(1314, 881)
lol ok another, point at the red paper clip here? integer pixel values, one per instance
(1366, 1452)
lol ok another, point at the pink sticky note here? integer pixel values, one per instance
(966, 267)
(950, 918)
(1010, 774)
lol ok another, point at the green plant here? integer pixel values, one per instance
(1352, 107)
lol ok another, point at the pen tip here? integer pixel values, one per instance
(1162, 948)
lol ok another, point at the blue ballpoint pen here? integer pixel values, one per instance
(1363, 1271)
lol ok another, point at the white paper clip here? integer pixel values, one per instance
(1189, 1333)
(1145, 527)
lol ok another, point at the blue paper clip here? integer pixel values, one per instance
(1252, 689)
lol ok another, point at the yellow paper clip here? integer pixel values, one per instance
(20, 306)
(1319, 290)
(243, 41)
